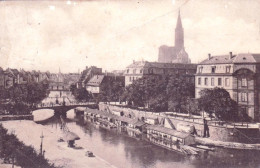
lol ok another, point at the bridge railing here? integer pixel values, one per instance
(51, 104)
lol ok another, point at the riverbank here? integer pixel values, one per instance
(16, 117)
(13, 152)
(56, 152)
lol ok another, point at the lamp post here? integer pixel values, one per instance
(41, 153)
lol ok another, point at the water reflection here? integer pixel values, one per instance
(123, 151)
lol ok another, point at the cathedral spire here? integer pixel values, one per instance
(179, 35)
(179, 24)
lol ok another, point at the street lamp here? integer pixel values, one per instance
(41, 153)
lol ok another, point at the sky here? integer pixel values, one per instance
(70, 35)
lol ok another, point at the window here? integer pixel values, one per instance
(151, 71)
(130, 79)
(200, 69)
(228, 69)
(244, 97)
(212, 82)
(206, 81)
(213, 69)
(244, 82)
(127, 71)
(227, 81)
(164, 71)
(141, 71)
(134, 71)
(219, 81)
(199, 81)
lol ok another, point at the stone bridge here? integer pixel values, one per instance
(62, 109)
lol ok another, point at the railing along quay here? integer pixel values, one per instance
(216, 123)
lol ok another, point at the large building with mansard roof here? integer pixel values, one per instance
(138, 69)
(238, 74)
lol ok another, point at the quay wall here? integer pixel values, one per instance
(217, 132)
(222, 133)
(16, 117)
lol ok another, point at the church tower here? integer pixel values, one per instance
(179, 35)
(176, 54)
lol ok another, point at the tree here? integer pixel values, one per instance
(191, 106)
(160, 93)
(36, 92)
(141, 91)
(217, 101)
(111, 89)
(179, 89)
(149, 92)
(20, 99)
(80, 94)
(133, 94)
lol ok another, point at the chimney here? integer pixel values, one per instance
(209, 56)
(230, 55)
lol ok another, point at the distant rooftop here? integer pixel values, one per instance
(160, 65)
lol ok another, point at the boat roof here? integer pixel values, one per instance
(168, 131)
(120, 118)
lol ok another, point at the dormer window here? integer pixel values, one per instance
(213, 69)
(127, 71)
(228, 69)
(200, 69)
(151, 71)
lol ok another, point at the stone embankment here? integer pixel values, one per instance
(218, 132)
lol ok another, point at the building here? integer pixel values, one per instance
(2, 77)
(10, 77)
(176, 54)
(95, 84)
(238, 74)
(87, 74)
(144, 68)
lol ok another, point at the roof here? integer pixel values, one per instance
(103, 113)
(239, 58)
(146, 64)
(247, 58)
(70, 136)
(221, 59)
(168, 131)
(139, 123)
(120, 118)
(96, 80)
(125, 119)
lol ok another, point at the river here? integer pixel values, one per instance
(124, 151)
